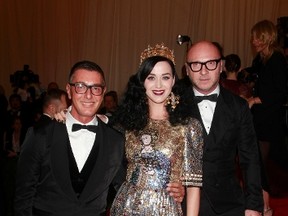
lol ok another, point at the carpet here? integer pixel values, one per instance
(279, 206)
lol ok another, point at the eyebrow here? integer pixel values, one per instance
(165, 74)
(94, 84)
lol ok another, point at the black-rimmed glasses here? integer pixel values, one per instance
(210, 65)
(81, 88)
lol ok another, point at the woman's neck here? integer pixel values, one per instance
(158, 112)
(266, 53)
(158, 117)
(231, 76)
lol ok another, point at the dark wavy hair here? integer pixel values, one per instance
(133, 112)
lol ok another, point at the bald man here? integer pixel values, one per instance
(228, 131)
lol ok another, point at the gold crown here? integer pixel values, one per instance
(158, 50)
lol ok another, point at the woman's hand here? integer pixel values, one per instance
(103, 118)
(251, 102)
(254, 100)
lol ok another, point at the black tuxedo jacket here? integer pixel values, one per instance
(43, 184)
(42, 121)
(231, 131)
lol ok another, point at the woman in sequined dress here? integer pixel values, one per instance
(162, 144)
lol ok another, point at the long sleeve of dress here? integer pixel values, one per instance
(193, 155)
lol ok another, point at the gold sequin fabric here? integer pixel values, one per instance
(157, 155)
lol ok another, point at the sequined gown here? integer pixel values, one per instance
(157, 155)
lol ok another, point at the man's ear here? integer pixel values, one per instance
(187, 69)
(68, 90)
(52, 108)
(221, 66)
(104, 90)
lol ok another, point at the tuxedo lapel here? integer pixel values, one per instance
(221, 120)
(93, 185)
(59, 158)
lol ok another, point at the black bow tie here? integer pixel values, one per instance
(76, 127)
(212, 97)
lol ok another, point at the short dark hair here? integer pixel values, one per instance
(52, 94)
(112, 94)
(232, 62)
(15, 96)
(87, 65)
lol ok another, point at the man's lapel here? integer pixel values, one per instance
(221, 120)
(95, 181)
(59, 158)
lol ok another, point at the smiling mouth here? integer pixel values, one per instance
(158, 92)
(87, 104)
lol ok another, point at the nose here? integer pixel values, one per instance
(203, 70)
(158, 83)
(88, 93)
(255, 41)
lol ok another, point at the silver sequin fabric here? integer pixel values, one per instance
(157, 155)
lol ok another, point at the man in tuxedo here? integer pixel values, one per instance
(53, 101)
(66, 168)
(229, 131)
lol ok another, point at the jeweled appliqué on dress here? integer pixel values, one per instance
(157, 155)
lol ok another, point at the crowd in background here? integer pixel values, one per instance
(24, 107)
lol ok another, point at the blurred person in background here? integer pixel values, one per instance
(269, 97)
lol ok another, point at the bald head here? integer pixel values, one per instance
(203, 50)
(204, 66)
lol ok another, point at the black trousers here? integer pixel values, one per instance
(207, 210)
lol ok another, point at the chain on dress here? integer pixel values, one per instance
(157, 155)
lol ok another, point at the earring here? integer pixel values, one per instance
(173, 100)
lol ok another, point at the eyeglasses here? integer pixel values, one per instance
(81, 88)
(210, 65)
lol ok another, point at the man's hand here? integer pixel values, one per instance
(176, 190)
(61, 116)
(11, 154)
(249, 212)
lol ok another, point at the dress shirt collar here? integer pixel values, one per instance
(46, 114)
(216, 91)
(70, 120)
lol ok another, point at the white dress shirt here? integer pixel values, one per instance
(207, 108)
(81, 141)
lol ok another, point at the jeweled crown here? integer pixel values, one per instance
(158, 50)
